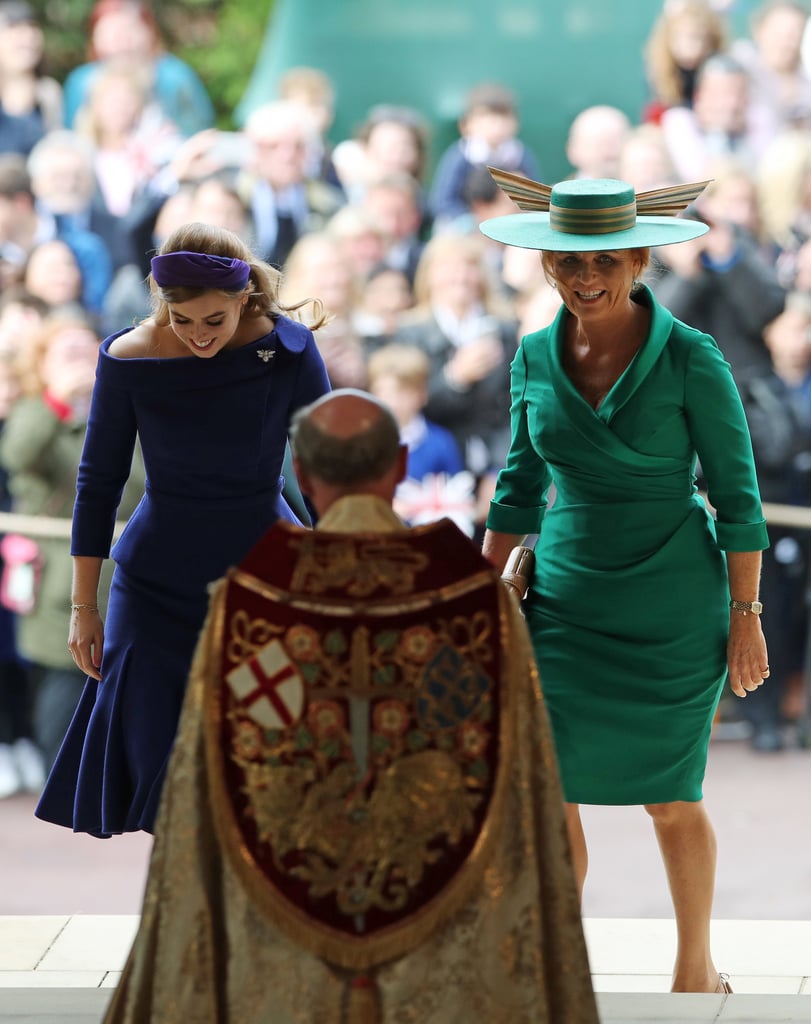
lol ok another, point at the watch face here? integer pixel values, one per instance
(757, 607)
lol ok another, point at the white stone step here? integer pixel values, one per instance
(63, 968)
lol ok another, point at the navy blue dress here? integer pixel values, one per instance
(213, 434)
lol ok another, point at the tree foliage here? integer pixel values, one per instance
(220, 39)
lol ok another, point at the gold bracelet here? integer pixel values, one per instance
(77, 607)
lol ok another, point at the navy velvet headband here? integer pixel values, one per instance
(199, 270)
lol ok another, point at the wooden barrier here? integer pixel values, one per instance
(798, 516)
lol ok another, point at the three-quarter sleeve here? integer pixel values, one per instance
(717, 425)
(519, 503)
(104, 467)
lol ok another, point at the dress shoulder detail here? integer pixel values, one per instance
(132, 343)
(292, 334)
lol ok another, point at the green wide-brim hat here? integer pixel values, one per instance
(588, 214)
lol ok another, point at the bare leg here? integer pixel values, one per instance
(687, 842)
(577, 841)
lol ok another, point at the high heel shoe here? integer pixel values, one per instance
(724, 985)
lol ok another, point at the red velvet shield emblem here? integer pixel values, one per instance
(358, 739)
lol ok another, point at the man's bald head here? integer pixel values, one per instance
(347, 439)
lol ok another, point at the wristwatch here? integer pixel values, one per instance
(755, 607)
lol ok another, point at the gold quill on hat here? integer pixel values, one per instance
(658, 202)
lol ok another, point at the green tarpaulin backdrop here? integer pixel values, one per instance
(558, 56)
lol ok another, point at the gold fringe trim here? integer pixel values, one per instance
(358, 953)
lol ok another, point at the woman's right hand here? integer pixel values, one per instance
(474, 361)
(86, 640)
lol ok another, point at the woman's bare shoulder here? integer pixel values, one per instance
(139, 343)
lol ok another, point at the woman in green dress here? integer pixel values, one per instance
(641, 602)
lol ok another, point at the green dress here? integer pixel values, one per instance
(628, 608)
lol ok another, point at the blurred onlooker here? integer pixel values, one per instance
(484, 200)
(130, 142)
(784, 194)
(645, 159)
(313, 89)
(24, 225)
(53, 275)
(772, 57)
(30, 101)
(40, 449)
(126, 30)
(21, 314)
(398, 376)
(66, 191)
(469, 336)
(436, 484)
(383, 297)
(788, 338)
(684, 35)
(285, 203)
(732, 197)
(391, 141)
(723, 123)
(316, 268)
(393, 203)
(722, 286)
(362, 237)
(216, 201)
(489, 130)
(21, 763)
(19, 223)
(595, 141)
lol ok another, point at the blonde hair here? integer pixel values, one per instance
(86, 119)
(306, 81)
(781, 174)
(264, 281)
(409, 365)
(453, 247)
(299, 267)
(663, 72)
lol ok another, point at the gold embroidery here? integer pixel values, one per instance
(357, 568)
(248, 635)
(366, 852)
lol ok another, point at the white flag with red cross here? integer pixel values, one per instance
(270, 687)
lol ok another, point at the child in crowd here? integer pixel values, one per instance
(489, 135)
(436, 484)
(314, 90)
(398, 375)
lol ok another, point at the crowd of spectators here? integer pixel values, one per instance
(96, 171)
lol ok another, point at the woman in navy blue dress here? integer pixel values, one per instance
(208, 384)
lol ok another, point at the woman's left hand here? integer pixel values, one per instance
(747, 658)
